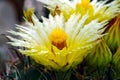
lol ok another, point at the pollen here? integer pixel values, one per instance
(84, 3)
(58, 38)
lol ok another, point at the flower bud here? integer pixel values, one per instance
(100, 55)
(116, 59)
(113, 37)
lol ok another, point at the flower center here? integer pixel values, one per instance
(84, 3)
(58, 38)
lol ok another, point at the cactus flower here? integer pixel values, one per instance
(100, 10)
(56, 43)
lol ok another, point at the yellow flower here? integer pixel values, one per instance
(56, 43)
(100, 10)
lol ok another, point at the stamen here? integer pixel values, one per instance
(84, 3)
(58, 38)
